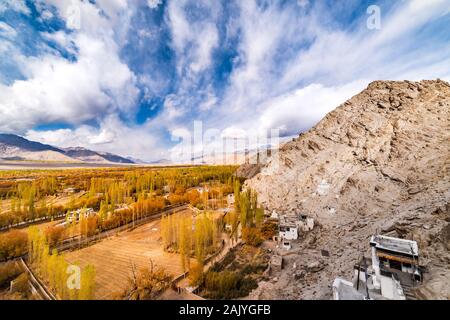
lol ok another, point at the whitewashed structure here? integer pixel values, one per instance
(305, 223)
(291, 225)
(77, 214)
(288, 228)
(393, 271)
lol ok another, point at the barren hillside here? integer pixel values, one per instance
(379, 162)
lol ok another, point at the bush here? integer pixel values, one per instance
(54, 234)
(228, 285)
(227, 260)
(252, 236)
(200, 206)
(269, 230)
(21, 285)
(147, 284)
(254, 268)
(13, 244)
(196, 275)
(8, 271)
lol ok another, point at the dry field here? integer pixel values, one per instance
(113, 258)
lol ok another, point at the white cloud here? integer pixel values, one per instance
(193, 40)
(111, 136)
(303, 108)
(294, 65)
(264, 32)
(47, 15)
(336, 56)
(320, 65)
(105, 136)
(7, 31)
(303, 3)
(153, 4)
(16, 5)
(61, 91)
(98, 83)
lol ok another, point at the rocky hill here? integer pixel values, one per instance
(87, 155)
(378, 163)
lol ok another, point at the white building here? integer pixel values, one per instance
(393, 270)
(305, 223)
(292, 224)
(390, 257)
(200, 190)
(344, 290)
(286, 245)
(288, 228)
(75, 215)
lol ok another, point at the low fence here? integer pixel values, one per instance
(78, 243)
(37, 287)
(27, 223)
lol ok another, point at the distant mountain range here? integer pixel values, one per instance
(13, 147)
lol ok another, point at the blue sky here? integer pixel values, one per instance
(128, 76)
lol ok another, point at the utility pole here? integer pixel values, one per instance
(365, 270)
(359, 272)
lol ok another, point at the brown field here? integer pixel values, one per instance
(113, 257)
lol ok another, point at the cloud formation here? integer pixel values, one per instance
(124, 75)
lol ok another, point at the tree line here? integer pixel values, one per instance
(191, 237)
(25, 199)
(60, 276)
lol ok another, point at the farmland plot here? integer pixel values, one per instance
(113, 258)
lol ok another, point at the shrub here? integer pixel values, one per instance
(269, 230)
(13, 244)
(147, 284)
(21, 285)
(228, 285)
(196, 275)
(228, 259)
(252, 236)
(54, 234)
(8, 271)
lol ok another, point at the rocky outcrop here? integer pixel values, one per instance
(378, 163)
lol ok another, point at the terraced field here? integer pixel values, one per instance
(113, 258)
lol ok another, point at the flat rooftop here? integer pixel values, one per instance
(346, 290)
(401, 246)
(288, 220)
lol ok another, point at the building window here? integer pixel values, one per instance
(407, 265)
(395, 265)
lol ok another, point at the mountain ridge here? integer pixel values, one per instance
(14, 147)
